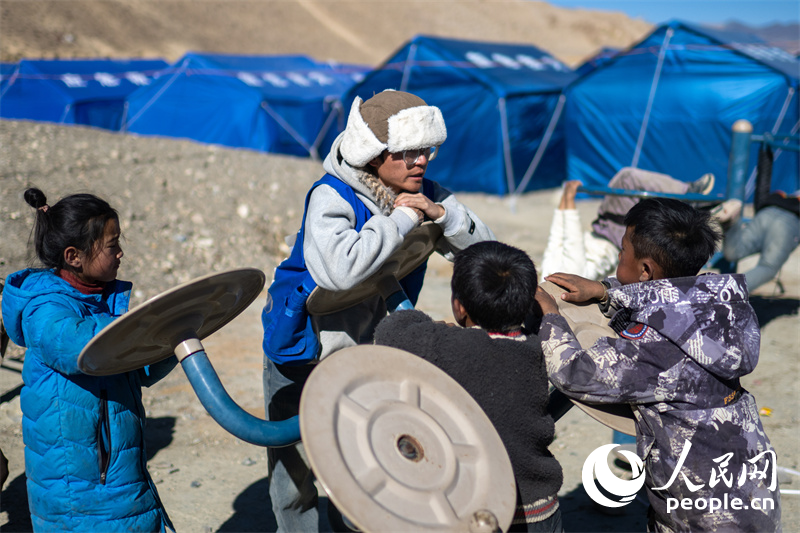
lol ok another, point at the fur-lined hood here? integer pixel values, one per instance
(363, 182)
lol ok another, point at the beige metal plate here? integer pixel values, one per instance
(149, 333)
(400, 446)
(589, 324)
(417, 247)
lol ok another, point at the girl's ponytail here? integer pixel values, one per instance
(36, 199)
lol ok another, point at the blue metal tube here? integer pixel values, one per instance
(228, 414)
(687, 197)
(784, 142)
(739, 160)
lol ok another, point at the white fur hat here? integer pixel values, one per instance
(393, 121)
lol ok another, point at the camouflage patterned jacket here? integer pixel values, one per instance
(683, 345)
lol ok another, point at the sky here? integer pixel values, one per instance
(751, 12)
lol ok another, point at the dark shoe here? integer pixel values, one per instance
(702, 185)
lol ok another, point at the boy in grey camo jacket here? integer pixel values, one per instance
(684, 342)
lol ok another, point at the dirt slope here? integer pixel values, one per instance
(358, 31)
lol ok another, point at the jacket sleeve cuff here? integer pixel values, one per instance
(405, 218)
(451, 222)
(440, 220)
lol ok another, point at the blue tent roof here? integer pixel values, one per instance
(86, 91)
(506, 68)
(668, 104)
(600, 58)
(500, 102)
(284, 104)
(751, 46)
(7, 70)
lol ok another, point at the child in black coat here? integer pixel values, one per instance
(499, 364)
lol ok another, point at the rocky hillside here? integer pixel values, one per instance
(356, 31)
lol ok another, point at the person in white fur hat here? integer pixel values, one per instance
(380, 159)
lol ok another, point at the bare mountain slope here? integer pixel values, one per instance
(358, 31)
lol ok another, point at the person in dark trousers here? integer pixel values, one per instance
(374, 193)
(773, 233)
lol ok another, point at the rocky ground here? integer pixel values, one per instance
(187, 210)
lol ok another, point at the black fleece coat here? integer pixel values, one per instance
(506, 377)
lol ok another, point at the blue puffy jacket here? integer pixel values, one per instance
(84, 435)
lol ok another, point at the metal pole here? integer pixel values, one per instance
(537, 157)
(739, 159)
(751, 181)
(653, 86)
(506, 145)
(412, 51)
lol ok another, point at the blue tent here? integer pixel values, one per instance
(6, 71)
(501, 103)
(88, 91)
(669, 102)
(282, 104)
(600, 58)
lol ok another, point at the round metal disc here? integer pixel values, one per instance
(417, 247)
(150, 332)
(400, 446)
(589, 324)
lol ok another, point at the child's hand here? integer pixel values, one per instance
(578, 289)
(420, 202)
(546, 302)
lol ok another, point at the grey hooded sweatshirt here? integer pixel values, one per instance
(339, 258)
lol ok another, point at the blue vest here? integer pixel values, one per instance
(289, 338)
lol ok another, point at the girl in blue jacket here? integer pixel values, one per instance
(84, 435)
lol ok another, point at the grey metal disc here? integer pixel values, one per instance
(417, 247)
(589, 324)
(149, 333)
(399, 446)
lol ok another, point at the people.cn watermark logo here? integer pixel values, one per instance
(724, 476)
(596, 471)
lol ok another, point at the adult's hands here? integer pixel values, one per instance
(421, 204)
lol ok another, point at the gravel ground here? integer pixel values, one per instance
(187, 210)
